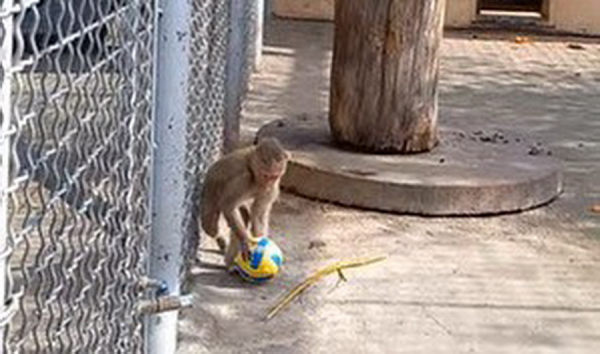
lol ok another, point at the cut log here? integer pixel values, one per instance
(384, 79)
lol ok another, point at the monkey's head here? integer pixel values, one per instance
(269, 161)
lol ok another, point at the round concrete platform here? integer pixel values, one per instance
(468, 173)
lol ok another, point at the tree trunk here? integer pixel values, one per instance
(384, 79)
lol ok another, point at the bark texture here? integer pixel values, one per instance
(384, 79)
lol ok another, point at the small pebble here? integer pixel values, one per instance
(316, 244)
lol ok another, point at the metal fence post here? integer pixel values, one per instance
(236, 58)
(168, 186)
(258, 40)
(244, 47)
(6, 36)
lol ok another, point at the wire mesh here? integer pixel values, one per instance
(209, 40)
(213, 99)
(76, 140)
(77, 132)
(240, 61)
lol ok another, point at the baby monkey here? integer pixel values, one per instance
(249, 175)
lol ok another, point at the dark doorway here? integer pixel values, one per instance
(511, 5)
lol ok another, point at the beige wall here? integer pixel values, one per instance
(460, 13)
(575, 15)
(307, 9)
(569, 15)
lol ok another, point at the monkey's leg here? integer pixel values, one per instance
(210, 220)
(232, 251)
(222, 243)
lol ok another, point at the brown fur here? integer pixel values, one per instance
(248, 175)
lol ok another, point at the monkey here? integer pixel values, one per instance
(248, 175)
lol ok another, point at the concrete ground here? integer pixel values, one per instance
(520, 283)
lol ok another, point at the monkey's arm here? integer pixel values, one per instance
(235, 222)
(233, 197)
(261, 211)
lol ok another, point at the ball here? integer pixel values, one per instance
(264, 263)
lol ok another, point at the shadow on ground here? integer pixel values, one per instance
(523, 283)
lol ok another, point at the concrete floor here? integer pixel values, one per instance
(520, 283)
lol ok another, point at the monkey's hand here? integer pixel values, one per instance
(253, 241)
(245, 250)
(248, 244)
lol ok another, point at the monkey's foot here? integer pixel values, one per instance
(230, 268)
(222, 244)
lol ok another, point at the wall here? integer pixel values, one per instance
(305, 9)
(581, 16)
(458, 12)
(575, 15)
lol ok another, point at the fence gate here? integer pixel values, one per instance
(76, 80)
(111, 111)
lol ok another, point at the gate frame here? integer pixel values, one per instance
(168, 187)
(5, 165)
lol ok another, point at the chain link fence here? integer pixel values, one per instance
(206, 106)
(223, 56)
(76, 125)
(76, 162)
(241, 60)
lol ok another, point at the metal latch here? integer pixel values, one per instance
(162, 302)
(165, 303)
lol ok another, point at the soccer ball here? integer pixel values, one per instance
(264, 263)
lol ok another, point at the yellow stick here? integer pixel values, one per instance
(300, 288)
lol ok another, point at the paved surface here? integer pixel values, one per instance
(521, 283)
(476, 172)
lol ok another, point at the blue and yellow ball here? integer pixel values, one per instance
(265, 262)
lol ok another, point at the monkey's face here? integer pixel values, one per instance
(270, 162)
(268, 172)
